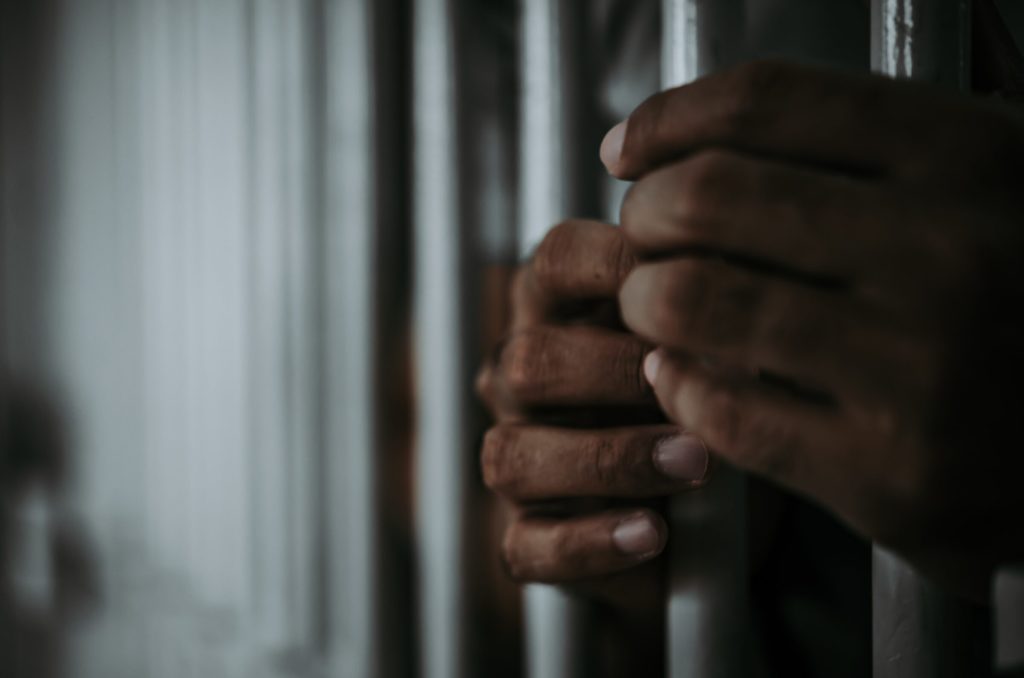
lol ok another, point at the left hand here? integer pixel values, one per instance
(833, 265)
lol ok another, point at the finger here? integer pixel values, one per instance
(753, 427)
(744, 319)
(503, 408)
(754, 208)
(558, 550)
(530, 463)
(565, 366)
(578, 261)
(795, 112)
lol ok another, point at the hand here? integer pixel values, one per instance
(580, 447)
(832, 267)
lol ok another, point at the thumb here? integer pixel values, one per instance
(750, 426)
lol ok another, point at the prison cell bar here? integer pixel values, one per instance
(918, 630)
(445, 355)
(707, 608)
(363, 164)
(551, 188)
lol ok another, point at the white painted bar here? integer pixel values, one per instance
(550, 190)
(918, 630)
(444, 350)
(707, 607)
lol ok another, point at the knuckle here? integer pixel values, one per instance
(522, 362)
(497, 461)
(563, 546)
(618, 257)
(605, 461)
(623, 465)
(628, 364)
(552, 252)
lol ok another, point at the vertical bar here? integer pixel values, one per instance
(928, 40)
(445, 358)
(552, 187)
(707, 606)
(362, 177)
(1008, 594)
(918, 630)
(284, 170)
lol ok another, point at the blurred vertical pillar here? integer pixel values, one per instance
(283, 324)
(362, 133)
(707, 606)
(445, 289)
(554, 183)
(1008, 594)
(918, 630)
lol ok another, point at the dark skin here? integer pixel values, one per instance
(861, 350)
(819, 276)
(544, 454)
(563, 418)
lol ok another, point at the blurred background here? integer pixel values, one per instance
(164, 507)
(187, 196)
(183, 184)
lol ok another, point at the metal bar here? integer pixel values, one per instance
(928, 40)
(1008, 594)
(363, 162)
(552, 187)
(707, 606)
(918, 630)
(445, 347)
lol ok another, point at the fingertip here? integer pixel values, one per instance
(682, 457)
(611, 148)
(640, 535)
(652, 366)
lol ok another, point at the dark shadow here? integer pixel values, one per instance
(48, 577)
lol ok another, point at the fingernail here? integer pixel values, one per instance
(684, 457)
(652, 363)
(637, 536)
(611, 146)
